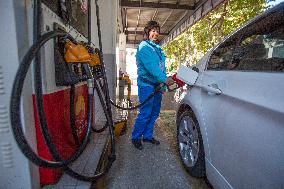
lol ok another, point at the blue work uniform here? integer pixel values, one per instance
(150, 60)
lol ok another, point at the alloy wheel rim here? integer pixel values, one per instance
(188, 141)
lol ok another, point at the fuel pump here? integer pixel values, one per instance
(74, 62)
(15, 107)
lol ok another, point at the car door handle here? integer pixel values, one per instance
(211, 89)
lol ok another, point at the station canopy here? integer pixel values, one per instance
(174, 16)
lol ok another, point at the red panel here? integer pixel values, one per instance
(57, 109)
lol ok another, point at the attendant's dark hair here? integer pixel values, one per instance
(150, 25)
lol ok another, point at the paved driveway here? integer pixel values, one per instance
(154, 166)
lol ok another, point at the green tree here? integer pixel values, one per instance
(190, 46)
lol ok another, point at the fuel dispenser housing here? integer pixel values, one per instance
(17, 36)
(56, 97)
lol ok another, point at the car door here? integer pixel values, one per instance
(245, 123)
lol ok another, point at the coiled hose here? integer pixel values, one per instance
(16, 119)
(16, 114)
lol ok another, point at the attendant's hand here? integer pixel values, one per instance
(170, 81)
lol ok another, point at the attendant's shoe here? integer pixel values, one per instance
(137, 143)
(152, 140)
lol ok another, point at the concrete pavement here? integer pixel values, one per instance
(153, 167)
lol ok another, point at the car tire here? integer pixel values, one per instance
(190, 144)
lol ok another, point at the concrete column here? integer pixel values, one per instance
(121, 59)
(108, 22)
(122, 52)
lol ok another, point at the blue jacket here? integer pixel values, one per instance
(150, 60)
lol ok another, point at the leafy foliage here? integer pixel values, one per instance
(190, 46)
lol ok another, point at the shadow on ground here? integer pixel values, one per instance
(154, 166)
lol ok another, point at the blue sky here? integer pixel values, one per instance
(275, 2)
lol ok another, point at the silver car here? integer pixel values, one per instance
(230, 125)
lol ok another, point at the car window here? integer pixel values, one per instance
(221, 58)
(261, 52)
(259, 47)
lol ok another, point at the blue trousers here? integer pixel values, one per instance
(148, 113)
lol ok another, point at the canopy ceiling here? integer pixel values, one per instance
(170, 14)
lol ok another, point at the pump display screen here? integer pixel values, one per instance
(73, 11)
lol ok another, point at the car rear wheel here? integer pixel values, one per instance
(190, 144)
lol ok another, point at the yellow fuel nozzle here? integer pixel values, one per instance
(126, 78)
(95, 60)
(76, 53)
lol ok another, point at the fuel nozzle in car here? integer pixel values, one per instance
(177, 83)
(187, 75)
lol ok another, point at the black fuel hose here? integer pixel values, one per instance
(156, 90)
(106, 108)
(15, 115)
(100, 130)
(48, 139)
(108, 114)
(16, 123)
(102, 99)
(111, 159)
(112, 156)
(15, 110)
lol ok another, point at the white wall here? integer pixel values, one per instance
(15, 170)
